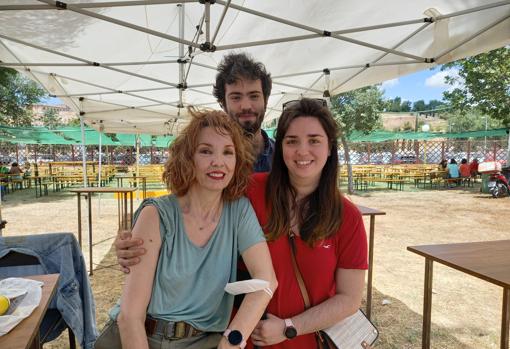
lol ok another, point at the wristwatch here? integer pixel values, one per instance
(234, 337)
(290, 331)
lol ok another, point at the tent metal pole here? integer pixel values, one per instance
(294, 86)
(314, 30)
(95, 5)
(137, 141)
(220, 22)
(207, 20)
(84, 64)
(16, 58)
(73, 8)
(105, 87)
(83, 150)
(474, 9)
(479, 32)
(95, 64)
(101, 129)
(113, 92)
(346, 67)
(421, 28)
(181, 51)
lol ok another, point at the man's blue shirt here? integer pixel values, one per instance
(264, 160)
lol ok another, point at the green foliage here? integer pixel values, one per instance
(74, 122)
(471, 120)
(483, 83)
(50, 118)
(405, 106)
(359, 109)
(17, 94)
(396, 105)
(419, 105)
(393, 105)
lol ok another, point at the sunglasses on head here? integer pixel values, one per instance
(321, 102)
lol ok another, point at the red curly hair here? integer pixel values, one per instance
(179, 173)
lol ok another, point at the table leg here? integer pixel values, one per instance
(370, 265)
(119, 203)
(89, 197)
(427, 305)
(130, 210)
(79, 218)
(505, 321)
(124, 211)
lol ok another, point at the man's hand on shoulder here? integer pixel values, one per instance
(128, 250)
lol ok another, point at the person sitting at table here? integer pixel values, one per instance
(453, 170)
(3, 168)
(15, 170)
(464, 169)
(473, 168)
(193, 239)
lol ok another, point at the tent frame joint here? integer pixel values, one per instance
(207, 47)
(60, 5)
(203, 2)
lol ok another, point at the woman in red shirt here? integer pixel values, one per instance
(300, 197)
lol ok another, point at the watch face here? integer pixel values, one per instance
(235, 337)
(290, 332)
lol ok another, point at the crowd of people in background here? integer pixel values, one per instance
(463, 171)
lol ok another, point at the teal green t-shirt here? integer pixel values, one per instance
(189, 282)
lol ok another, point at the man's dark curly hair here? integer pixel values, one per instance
(235, 66)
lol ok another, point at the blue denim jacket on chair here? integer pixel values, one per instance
(59, 253)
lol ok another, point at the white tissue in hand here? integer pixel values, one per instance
(246, 286)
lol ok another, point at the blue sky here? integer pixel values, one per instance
(426, 84)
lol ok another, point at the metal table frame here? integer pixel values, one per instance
(372, 212)
(122, 204)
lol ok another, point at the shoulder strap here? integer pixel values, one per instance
(299, 278)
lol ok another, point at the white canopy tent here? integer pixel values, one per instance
(133, 66)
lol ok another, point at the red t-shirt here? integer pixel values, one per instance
(464, 170)
(346, 249)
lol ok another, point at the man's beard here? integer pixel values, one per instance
(250, 127)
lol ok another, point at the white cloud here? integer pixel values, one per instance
(438, 79)
(390, 83)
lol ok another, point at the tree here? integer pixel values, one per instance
(405, 106)
(434, 104)
(51, 119)
(419, 105)
(482, 82)
(357, 110)
(17, 94)
(472, 120)
(393, 105)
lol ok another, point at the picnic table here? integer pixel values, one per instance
(124, 220)
(372, 212)
(26, 334)
(486, 260)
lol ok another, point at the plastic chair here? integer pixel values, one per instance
(31, 265)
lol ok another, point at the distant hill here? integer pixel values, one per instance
(402, 121)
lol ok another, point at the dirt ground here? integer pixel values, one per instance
(466, 311)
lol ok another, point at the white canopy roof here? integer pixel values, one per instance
(134, 65)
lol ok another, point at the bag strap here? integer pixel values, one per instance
(299, 278)
(321, 343)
